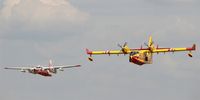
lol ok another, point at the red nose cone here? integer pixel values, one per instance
(136, 60)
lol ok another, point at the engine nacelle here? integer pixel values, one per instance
(22, 70)
(53, 71)
(61, 69)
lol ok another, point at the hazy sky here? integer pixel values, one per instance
(34, 31)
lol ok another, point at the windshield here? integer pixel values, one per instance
(133, 53)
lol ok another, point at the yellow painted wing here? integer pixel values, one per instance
(155, 50)
(110, 52)
(158, 50)
(104, 52)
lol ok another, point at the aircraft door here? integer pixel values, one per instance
(147, 57)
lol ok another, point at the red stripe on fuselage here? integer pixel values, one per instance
(136, 60)
(42, 72)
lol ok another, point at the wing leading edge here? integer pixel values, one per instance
(159, 50)
(66, 66)
(155, 50)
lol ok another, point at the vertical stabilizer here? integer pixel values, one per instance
(51, 69)
(151, 43)
(50, 63)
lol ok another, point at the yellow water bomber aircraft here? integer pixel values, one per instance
(140, 55)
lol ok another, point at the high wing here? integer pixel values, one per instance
(117, 52)
(62, 66)
(159, 50)
(104, 52)
(18, 68)
(128, 51)
(22, 69)
(124, 50)
(66, 66)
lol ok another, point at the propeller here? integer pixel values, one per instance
(125, 44)
(119, 46)
(148, 45)
(122, 47)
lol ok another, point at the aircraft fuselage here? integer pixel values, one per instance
(41, 72)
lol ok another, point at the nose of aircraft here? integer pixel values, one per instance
(136, 60)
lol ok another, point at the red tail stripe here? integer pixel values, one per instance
(192, 48)
(88, 51)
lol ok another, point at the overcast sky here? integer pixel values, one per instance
(34, 31)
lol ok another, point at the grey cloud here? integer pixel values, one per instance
(142, 7)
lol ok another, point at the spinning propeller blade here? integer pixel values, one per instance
(119, 46)
(125, 44)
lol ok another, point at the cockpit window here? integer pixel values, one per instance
(134, 52)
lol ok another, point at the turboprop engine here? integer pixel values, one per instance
(61, 69)
(53, 70)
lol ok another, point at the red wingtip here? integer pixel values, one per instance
(194, 47)
(88, 51)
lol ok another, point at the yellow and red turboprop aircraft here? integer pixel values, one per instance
(141, 55)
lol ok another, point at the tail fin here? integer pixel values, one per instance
(50, 63)
(51, 69)
(150, 43)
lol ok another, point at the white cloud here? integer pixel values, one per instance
(39, 11)
(41, 23)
